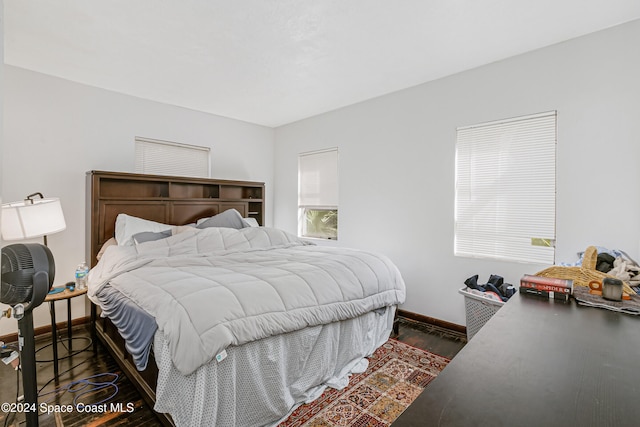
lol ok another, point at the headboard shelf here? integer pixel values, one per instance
(135, 189)
(167, 199)
(194, 191)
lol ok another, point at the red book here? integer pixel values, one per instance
(547, 284)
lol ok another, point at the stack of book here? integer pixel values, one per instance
(547, 287)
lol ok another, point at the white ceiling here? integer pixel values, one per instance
(272, 62)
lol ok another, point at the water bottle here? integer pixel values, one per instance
(81, 275)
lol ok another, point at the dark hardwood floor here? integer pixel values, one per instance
(432, 338)
(88, 378)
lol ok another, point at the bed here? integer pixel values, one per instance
(220, 322)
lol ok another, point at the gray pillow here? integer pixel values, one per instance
(149, 236)
(230, 218)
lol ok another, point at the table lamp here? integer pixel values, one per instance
(32, 218)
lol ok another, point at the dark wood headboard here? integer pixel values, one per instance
(166, 199)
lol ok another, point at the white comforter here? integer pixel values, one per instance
(212, 288)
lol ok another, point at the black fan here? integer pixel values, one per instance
(27, 275)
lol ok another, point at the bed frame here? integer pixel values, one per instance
(165, 199)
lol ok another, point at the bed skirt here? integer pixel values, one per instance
(260, 383)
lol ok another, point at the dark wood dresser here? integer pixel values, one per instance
(539, 363)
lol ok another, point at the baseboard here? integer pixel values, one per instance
(41, 330)
(432, 321)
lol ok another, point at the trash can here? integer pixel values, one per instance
(478, 310)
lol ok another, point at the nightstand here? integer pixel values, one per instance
(51, 299)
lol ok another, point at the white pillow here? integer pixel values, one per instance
(112, 241)
(251, 221)
(127, 226)
(230, 218)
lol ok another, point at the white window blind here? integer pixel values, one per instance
(318, 179)
(318, 194)
(171, 158)
(505, 189)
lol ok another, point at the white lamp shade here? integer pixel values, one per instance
(25, 220)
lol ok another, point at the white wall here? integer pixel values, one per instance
(396, 157)
(57, 130)
(1, 90)
(3, 321)
(396, 161)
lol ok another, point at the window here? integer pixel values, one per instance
(318, 194)
(505, 189)
(171, 158)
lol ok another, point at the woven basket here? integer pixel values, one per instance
(581, 276)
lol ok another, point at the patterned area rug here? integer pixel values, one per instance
(397, 374)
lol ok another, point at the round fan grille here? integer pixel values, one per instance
(19, 264)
